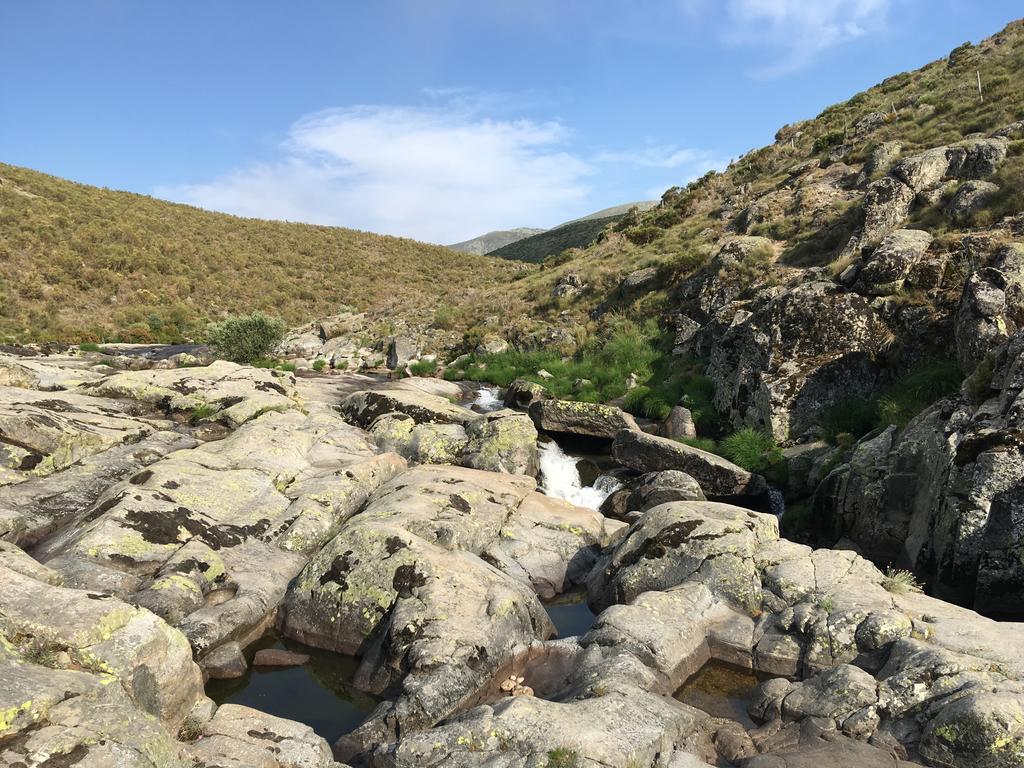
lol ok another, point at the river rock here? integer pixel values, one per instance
(276, 657)
(584, 419)
(53, 714)
(241, 515)
(657, 488)
(401, 352)
(715, 475)
(502, 441)
(233, 393)
(522, 393)
(151, 661)
(363, 407)
(244, 737)
(682, 541)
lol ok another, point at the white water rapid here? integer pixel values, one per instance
(560, 478)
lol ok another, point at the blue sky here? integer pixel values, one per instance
(437, 119)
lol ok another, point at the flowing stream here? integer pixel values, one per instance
(488, 399)
(560, 477)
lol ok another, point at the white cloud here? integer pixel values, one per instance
(439, 173)
(442, 173)
(802, 29)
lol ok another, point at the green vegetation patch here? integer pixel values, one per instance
(899, 403)
(246, 339)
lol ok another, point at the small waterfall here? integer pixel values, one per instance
(559, 477)
(776, 502)
(488, 399)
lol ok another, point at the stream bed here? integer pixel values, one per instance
(722, 690)
(319, 693)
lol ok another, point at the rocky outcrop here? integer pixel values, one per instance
(583, 419)
(970, 197)
(522, 394)
(940, 496)
(501, 441)
(793, 353)
(991, 307)
(865, 674)
(715, 475)
(91, 631)
(888, 266)
(241, 736)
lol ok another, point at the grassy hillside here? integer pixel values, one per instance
(81, 263)
(931, 106)
(494, 240)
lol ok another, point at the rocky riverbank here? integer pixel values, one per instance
(154, 523)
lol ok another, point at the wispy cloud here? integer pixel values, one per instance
(444, 172)
(437, 173)
(799, 30)
(694, 162)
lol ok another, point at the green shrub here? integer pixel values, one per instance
(89, 346)
(423, 368)
(246, 338)
(319, 364)
(916, 391)
(445, 317)
(753, 450)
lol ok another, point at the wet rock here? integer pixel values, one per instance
(225, 663)
(584, 419)
(522, 393)
(276, 657)
(715, 475)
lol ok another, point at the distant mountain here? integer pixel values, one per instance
(614, 212)
(494, 240)
(578, 233)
